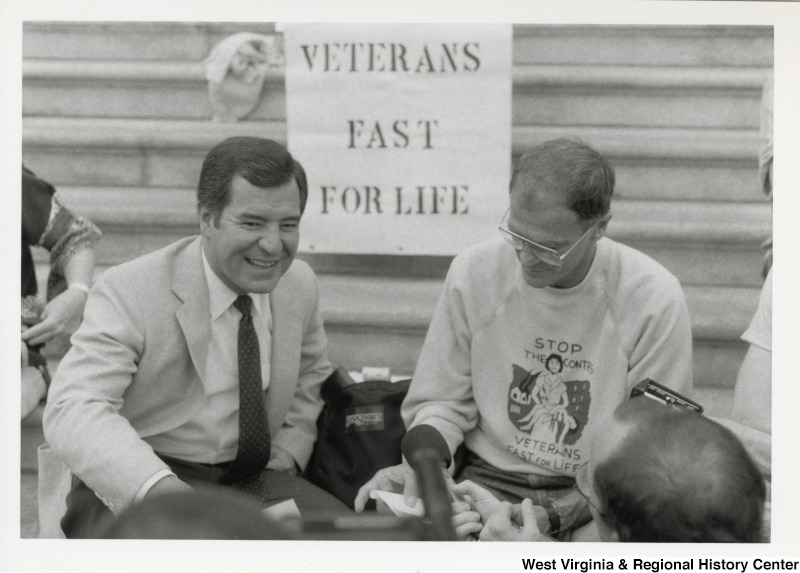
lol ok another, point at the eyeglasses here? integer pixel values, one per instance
(545, 254)
(583, 486)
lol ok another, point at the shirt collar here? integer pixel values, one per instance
(221, 297)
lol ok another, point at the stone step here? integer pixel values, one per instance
(131, 89)
(651, 163)
(175, 41)
(543, 94)
(647, 96)
(701, 46)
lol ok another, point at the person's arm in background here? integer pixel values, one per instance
(662, 347)
(752, 397)
(70, 240)
(751, 415)
(62, 314)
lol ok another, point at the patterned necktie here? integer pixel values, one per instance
(254, 441)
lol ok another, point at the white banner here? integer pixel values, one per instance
(404, 132)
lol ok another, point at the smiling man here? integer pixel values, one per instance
(200, 364)
(552, 291)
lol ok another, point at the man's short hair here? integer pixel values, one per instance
(679, 477)
(261, 162)
(569, 166)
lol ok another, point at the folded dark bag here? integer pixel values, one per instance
(359, 432)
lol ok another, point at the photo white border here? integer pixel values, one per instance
(104, 556)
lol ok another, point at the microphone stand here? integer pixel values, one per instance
(428, 467)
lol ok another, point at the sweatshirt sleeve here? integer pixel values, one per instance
(661, 343)
(441, 392)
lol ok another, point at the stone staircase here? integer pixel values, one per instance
(116, 116)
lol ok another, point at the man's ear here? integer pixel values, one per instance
(602, 225)
(206, 220)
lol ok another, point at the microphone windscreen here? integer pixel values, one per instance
(425, 437)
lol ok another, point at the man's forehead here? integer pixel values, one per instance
(544, 211)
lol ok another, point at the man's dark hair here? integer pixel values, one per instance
(679, 477)
(569, 166)
(261, 162)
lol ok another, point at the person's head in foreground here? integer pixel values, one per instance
(659, 474)
(199, 514)
(560, 206)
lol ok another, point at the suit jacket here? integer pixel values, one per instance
(137, 368)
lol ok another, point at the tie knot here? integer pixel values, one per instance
(244, 304)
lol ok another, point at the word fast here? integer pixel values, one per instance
(375, 136)
(421, 200)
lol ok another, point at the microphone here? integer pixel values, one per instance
(426, 450)
(425, 438)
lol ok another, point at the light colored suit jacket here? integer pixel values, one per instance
(137, 367)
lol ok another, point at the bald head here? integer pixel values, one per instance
(673, 475)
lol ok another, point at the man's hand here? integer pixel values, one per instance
(399, 478)
(61, 316)
(480, 499)
(281, 461)
(513, 523)
(466, 522)
(168, 484)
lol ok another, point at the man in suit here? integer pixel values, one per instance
(148, 399)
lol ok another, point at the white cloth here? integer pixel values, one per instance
(224, 54)
(236, 70)
(626, 321)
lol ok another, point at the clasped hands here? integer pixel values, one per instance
(480, 514)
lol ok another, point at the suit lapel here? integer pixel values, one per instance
(189, 284)
(286, 331)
